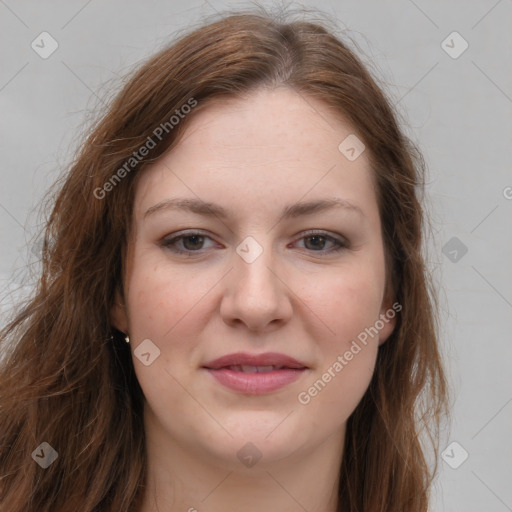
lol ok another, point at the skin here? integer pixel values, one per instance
(253, 156)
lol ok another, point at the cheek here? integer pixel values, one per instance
(166, 307)
(163, 297)
(347, 301)
(334, 392)
(347, 353)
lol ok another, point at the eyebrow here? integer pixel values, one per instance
(209, 209)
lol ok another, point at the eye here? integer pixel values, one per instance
(193, 242)
(190, 242)
(317, 240)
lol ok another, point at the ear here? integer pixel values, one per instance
(387, 316)
(118, 315)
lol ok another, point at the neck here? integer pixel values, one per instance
(183, 478)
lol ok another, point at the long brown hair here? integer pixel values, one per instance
(67, 377)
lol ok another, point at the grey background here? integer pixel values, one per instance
(457, 109)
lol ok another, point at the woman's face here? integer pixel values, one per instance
(255, 280)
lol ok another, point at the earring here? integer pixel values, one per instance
(127, 338)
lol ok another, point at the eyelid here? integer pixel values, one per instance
(326, 234)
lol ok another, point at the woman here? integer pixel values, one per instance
(234, 311)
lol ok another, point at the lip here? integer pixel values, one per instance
(266, 359)
(255, 383)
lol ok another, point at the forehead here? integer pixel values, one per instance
(281, 120)
(270, 144)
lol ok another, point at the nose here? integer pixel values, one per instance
(256, 294)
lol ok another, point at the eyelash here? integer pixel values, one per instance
(169, 243)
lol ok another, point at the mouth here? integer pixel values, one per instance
(255, 374)
(255, 369)
(251, 363)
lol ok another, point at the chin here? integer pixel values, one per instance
(263, 442)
